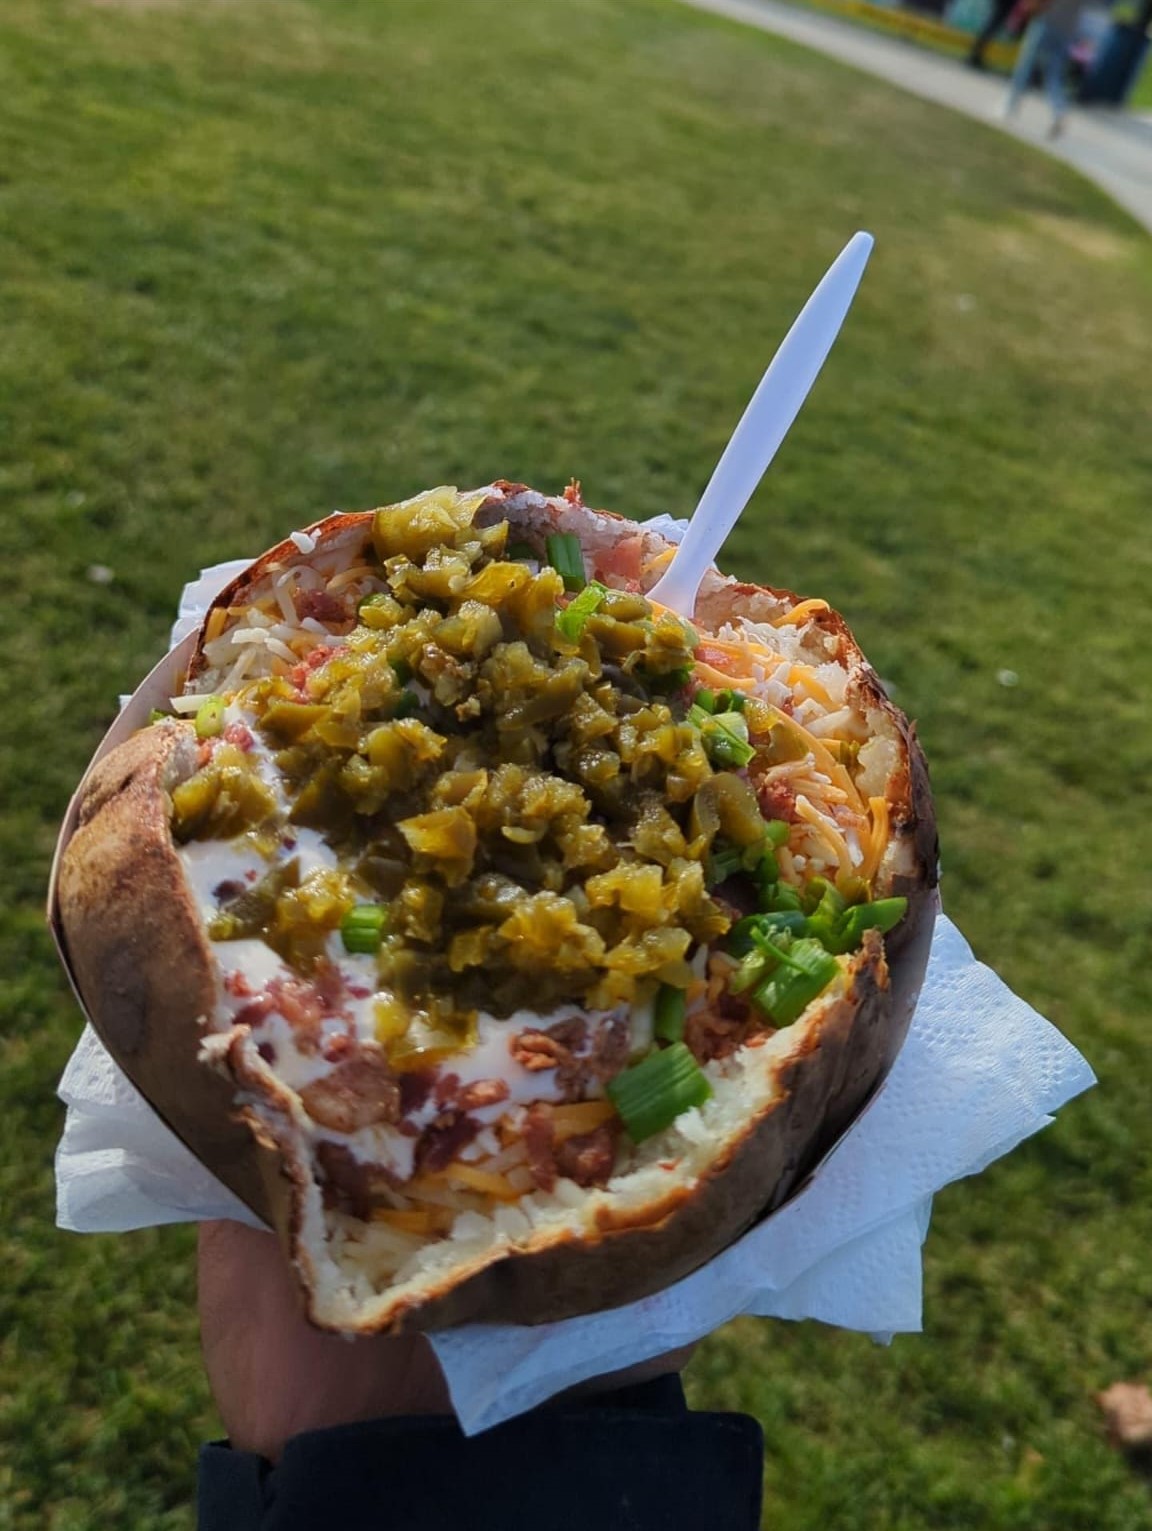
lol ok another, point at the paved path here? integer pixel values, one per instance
(1112, 148)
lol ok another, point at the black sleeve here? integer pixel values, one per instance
(633, 1460)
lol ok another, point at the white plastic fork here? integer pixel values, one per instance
(763, 426)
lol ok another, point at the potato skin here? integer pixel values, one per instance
(144, 968)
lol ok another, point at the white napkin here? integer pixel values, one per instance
(980, 1072)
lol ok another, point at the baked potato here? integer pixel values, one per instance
(507, 942)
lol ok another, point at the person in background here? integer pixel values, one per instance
(1001, 11)
(330, 1434)
(1046, 46)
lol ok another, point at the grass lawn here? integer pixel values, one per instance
(258, 261)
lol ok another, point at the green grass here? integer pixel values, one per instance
(260, 261)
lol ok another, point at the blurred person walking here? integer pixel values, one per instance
(1046, 46)
(1002, 11)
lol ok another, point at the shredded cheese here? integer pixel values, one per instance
(801, 613)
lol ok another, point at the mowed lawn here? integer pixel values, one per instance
(259, 261)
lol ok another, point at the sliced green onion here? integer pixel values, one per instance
(805, 971)
(754, 968)
(407, 703)
(767, 875)
(735, 700)
(778, 831)
(518, 551)
(881, 915)
(362, 928)
(570, 622)
(724, 735)
(566, 557)
(402, 671)
(779, 923)
(725, 748)
(705, 700)
(825, 920)
(782, 896)
(652, 1094)
(156, 716)
(724, 863)
(668, 1013)
(210, 718)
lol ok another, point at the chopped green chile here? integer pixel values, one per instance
(570, 623)
(653, 1093)
(517, 777)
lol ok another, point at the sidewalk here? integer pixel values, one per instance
(1110, 147)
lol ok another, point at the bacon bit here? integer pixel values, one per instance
(719, 659)
(669, 1164)
(337, 1047)
(721, 1032)
(538, 1136)
(358, 991)
(534, 1050)
(484, 1092)
(305, 1002)
(298, 675)
(319, 605)
(415, 1088)
(610, 1048)
(777, 800)
(408, 1129)
(588, 1159)
(441, 1142)
(255, 1013)
(231, 887)
(267, 1052)
(572, 492)
(204, 753)
(623, 560)
(240, 736)
(350, 1185)
(446, 1088)
(360, 1092)
(238, 986)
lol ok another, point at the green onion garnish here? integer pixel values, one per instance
(570, 622)
(210, 718)
(651, 1095)
(566, 558)
(724, 863)
(881, 916)
(156, 716)
(825, 920)
(724, 735)
(521, 550)
(402, 670)
(805, 971)
(706, 699)
(362, 928)
(782, 896)
(777, 831)
(668, 1013)
(407, 703)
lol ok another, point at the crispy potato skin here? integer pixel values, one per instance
(138, 952)
(145, 970)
